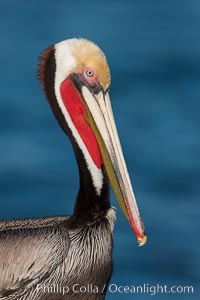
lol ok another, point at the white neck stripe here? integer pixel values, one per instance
(64, 63)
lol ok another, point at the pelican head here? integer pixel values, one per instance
(74, 73)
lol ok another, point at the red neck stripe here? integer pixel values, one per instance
(75, 106)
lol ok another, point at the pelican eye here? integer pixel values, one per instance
(89, 73)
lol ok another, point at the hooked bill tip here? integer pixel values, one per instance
(142, 241)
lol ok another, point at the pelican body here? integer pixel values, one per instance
(70, 257)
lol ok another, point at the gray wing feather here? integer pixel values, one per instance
(29, 251)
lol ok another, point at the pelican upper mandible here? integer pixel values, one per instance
(51, 258)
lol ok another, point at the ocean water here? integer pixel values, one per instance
(153, 49)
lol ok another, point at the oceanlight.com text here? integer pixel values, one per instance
(150, 289)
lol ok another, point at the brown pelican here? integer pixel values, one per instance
(70, 257)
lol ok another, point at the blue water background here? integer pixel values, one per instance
(153, 49)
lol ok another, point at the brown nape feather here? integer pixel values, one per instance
(43, 60)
